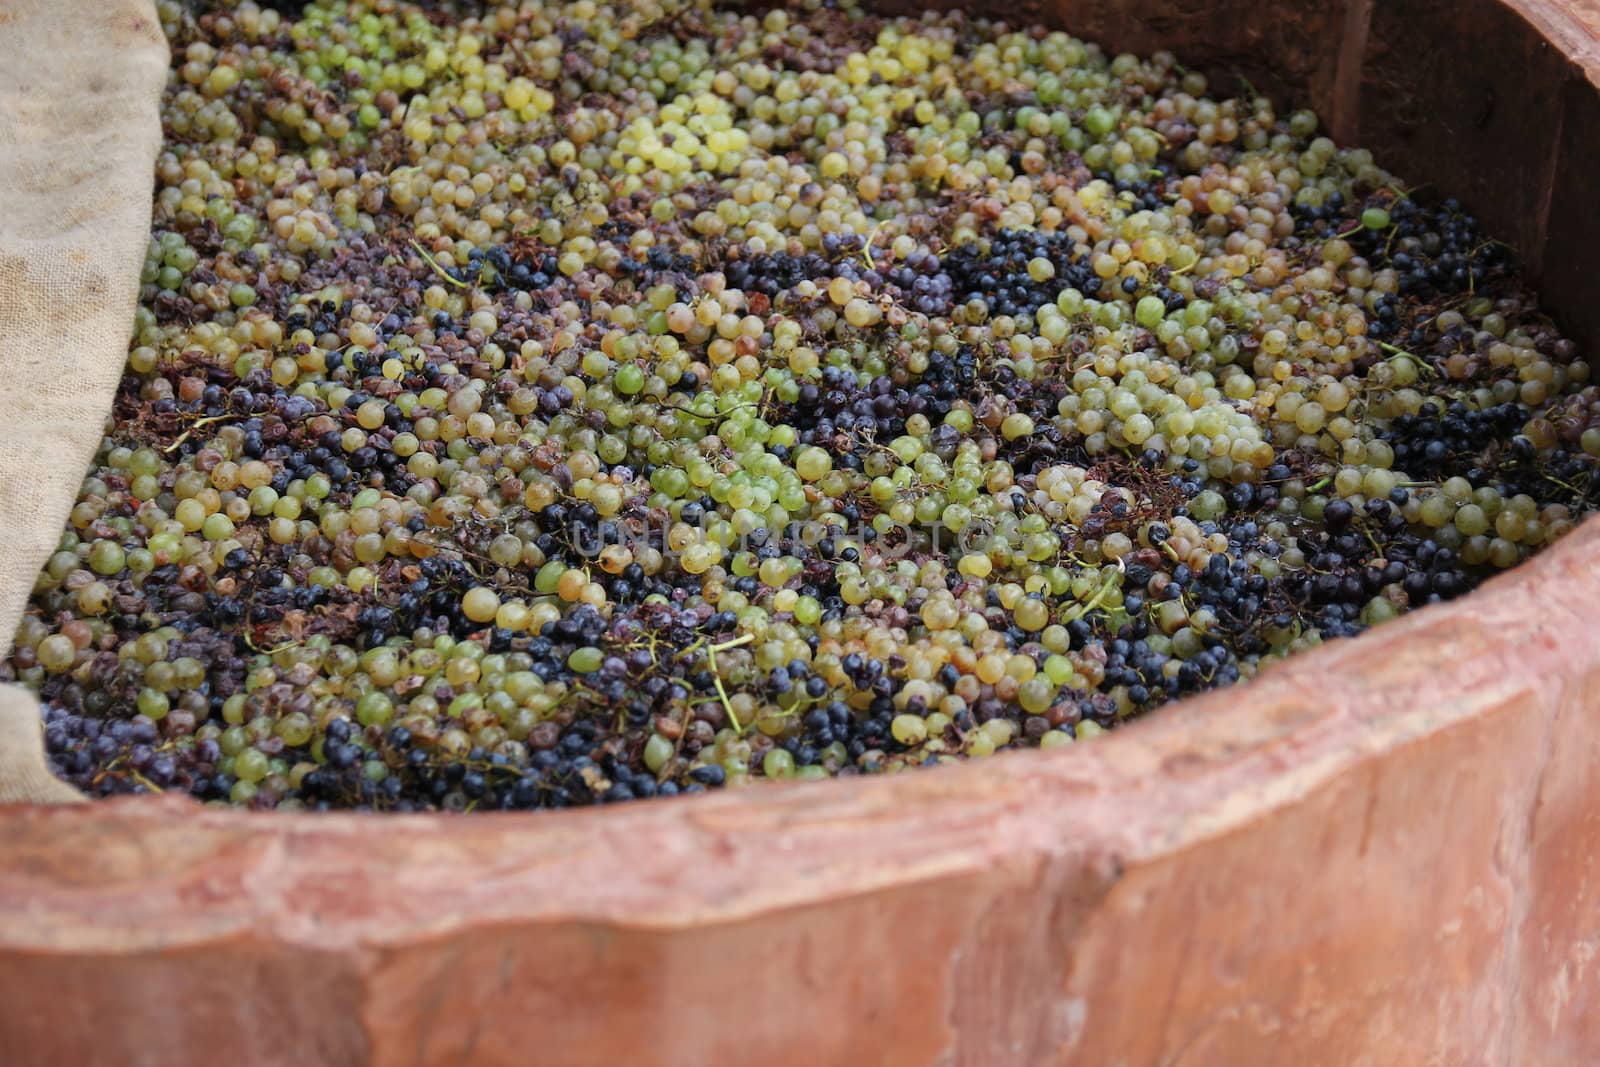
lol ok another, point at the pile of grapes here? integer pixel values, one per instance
(561, 403)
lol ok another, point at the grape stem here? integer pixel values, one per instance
(147, 783)
(1423, 366)
(203, 421)
(1103, 592)
(1565, 485)
(440, 271)
(1373, 541)
(866, 251)
(716, 677)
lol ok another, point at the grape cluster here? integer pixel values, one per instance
(557, 403)
(1019, 272)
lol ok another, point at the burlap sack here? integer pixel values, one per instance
(80, 82)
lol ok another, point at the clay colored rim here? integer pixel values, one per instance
(1381, 846)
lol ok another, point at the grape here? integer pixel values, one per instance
(541, 409)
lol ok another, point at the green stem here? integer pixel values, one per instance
(437, 269)
(1098, 598)
(716, 676)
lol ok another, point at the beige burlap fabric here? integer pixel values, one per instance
(80, 82)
